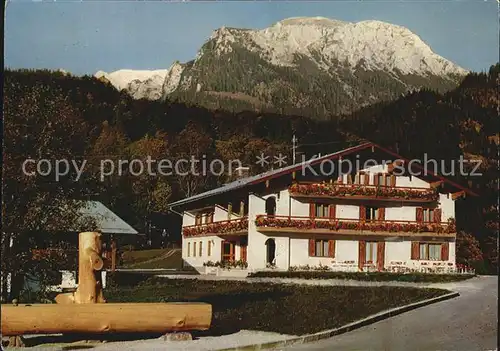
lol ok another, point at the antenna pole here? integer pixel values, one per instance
(294, 147)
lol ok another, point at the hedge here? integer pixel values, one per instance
(374, 276)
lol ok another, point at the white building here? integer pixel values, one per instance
(378, 216)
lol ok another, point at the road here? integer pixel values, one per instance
(465, 323)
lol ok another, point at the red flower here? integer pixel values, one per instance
(335, 190)
(217, 228)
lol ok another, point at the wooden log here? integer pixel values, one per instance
(105, 318)
(90, 264)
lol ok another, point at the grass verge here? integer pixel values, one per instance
(287, 309)
(153, 259)
(375, 276)
(138, 256)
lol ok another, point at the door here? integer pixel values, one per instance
(243, 249)
(270, 251)
(228, 251)
(271, 206)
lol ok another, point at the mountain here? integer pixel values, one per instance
(312, 66)
(138, 84)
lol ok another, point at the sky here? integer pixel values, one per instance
(87, 36)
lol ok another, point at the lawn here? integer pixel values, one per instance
(152, 259)
(373, 276)
(287, 309)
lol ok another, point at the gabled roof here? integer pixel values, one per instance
(241, 183)
(107, 221)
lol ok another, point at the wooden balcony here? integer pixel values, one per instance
(296, 224)
(237, 226)
(356, 192)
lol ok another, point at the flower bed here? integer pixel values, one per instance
(336, 225)
(223, 227)
(240, 264)
(334, 190)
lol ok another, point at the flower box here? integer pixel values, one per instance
(222, 227)
(337, 190)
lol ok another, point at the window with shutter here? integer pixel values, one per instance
(431, 251)
(321, 210)
(332, 212)
(393, 180)
(437, 215)
(362, 213)
(312, 210)
(415, 250)
(320, 248)
(372, 213)
(445, 251)
(367, 179)
(381, 214)
(420, 214)
(312, 248)
(198, 219)
(371, 252)
(331, 248)
(380, 255)
(361, 254)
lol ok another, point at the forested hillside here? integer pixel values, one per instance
(52, 115)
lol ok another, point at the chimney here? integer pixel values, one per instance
(242, 172)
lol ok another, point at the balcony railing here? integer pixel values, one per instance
(361, 191)
(352, 226)
(237, 226)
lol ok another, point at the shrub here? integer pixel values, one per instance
(122, 279)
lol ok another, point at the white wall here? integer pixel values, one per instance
(193, 259)
(256, 255)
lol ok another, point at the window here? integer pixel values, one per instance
(209, 253)
(321, 248)
(198, 219)
(200, 253)
(381, 179)
(362, 178)
(428, 215)
(189, 250)
(371, 252)
(430, 252)
(194, 249)
(372, 213)
(357, 179)
(209, 217)
(321, 211)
